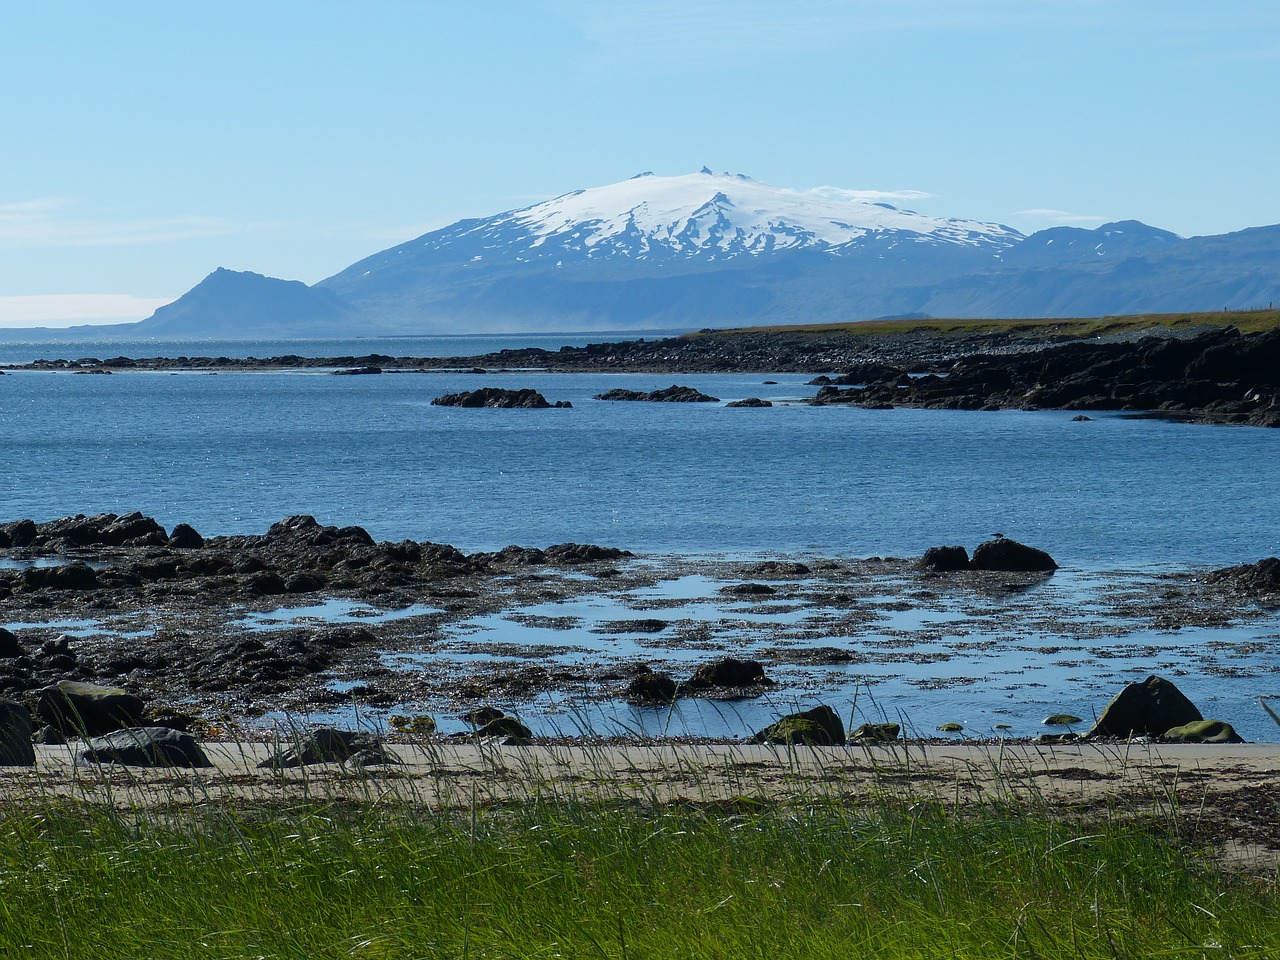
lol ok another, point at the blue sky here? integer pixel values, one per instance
(145, 144)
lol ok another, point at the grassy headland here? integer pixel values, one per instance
(1250, 321)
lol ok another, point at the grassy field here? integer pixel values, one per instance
(1252, 321)
(895, 878)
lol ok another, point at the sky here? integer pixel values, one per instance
(145, 144)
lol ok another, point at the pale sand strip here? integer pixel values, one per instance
(462, 774)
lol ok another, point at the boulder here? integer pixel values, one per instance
(820, 727)
(651, 687)
(945, 559)
(185, 537)
(671, 394)
(1011, 556)
(87, 709)
(509, 729)
(1145, 709)
(1261, 579)
(729, 672)
(749, 402)
(875, 733)
(9, 645)
(496, 397)
(146, 747)
(15, 735)
(327, 745)
(1203, 731)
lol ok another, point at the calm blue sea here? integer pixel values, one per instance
(234, 452)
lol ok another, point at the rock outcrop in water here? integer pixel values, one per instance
(671, 394)
(498, 398)
(1221, 376)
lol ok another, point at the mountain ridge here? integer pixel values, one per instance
(704, 250)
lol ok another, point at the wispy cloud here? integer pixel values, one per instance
(1061, 216)
(49, 222)
(65, 310)
(869, 196)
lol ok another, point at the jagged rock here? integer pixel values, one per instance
(185, 537)
(87, 709)
(1203, 731)
(146, 747)
(820, 726)
(671, 394)
(1145, 709)
(945, 559)
(15, 735)
(1011, 556)
(323, 745)
(496, 397)
(1261, 579)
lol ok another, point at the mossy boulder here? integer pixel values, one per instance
(1146, 709)
(819, 727)
(875, 733)
(1203, 731)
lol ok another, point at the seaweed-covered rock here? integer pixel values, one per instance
(820, 727)
(729, 672)
(945, 559)
(1203, 731)
(1145, 709)
(652, 687)
(671, 394)
(324, 745)
(146, 747)
(875, 733)
(1261, 579)
(496, 397)
(1011, 556)
(506, 728)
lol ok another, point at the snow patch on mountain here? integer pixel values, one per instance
(709, 215)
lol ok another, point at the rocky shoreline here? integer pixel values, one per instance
(218, 633)
(1217, 376)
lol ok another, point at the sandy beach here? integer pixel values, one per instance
(1224, 796)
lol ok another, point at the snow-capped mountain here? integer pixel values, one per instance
(698, 217)
(707, 250)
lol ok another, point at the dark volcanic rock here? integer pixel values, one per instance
(1261, 579)
(1220, 376)
(749, 402)
(671, 394)
(729, 672)
(1012, 556)
(1146, 709)
(945, 559)
(497, 397)
(146, 747)
(15, 735)
(652, 687)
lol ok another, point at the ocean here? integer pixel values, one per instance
(232, 452)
